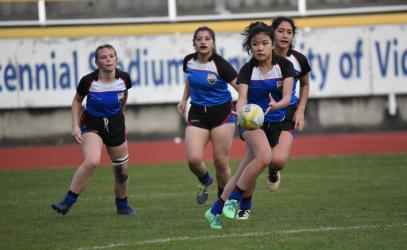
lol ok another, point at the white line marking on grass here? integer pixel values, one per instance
(326, 229)
(164, 240)
(290, 231)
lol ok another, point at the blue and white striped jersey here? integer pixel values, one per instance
(104, 99)
(209, 81)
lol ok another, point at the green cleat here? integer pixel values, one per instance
(214, 220)
(230, 209)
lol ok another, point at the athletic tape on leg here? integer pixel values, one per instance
(117, 164)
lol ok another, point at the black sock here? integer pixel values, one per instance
(221, 201)
(239, 190)
(246, 203)
(206, 179)
(72, 194)
(70, 197)
(247, 200)
(220, 191)
(121, 200)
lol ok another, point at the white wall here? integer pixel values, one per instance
(348, 61)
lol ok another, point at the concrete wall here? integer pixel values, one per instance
(356, 114)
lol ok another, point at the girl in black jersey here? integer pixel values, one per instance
(267, 81)
(102, 122)
(284, 33)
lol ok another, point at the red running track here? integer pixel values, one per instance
(167, 151)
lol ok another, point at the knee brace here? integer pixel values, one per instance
(117, 165)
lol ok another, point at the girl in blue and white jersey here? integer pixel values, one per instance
(266, 80)
(210, 115)
(284, 33)
(101, 123)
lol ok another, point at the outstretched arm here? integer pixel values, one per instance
(287, 91)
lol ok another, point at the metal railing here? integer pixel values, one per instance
(221, 14)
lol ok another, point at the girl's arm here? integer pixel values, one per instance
(242, 99)
(76, 112)
(124, 101)
(302, 102)
(233, 83)
(182, 104)
(287, 91)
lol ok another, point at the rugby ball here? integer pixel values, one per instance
(250, 116)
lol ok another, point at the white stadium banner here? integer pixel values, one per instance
(349, 61)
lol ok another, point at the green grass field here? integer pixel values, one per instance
(357, 202)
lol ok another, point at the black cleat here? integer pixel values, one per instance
(273, 180)
(126, 211)
(61, 207)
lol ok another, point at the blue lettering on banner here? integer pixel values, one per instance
(144, 72)
(404, 62)
(149, 71)
(358, 57)
(145, 53)
(139, 69)
(383, 59)
(91, 60)
(174, 66)
(395, 57)
(27, 77)
(345, 65)
(322, 65)
(10, 74)
(349, 64)
(390, 53)
(158, 80)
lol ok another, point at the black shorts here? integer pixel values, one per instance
(112, 130)
(288, 123)
(209, 117)
(272, 131)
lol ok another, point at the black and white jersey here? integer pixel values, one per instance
(261, 84)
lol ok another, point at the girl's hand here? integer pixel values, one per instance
(272, 103)
(76, 133)
(181, 107)
(236, 113)
(298, 120)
